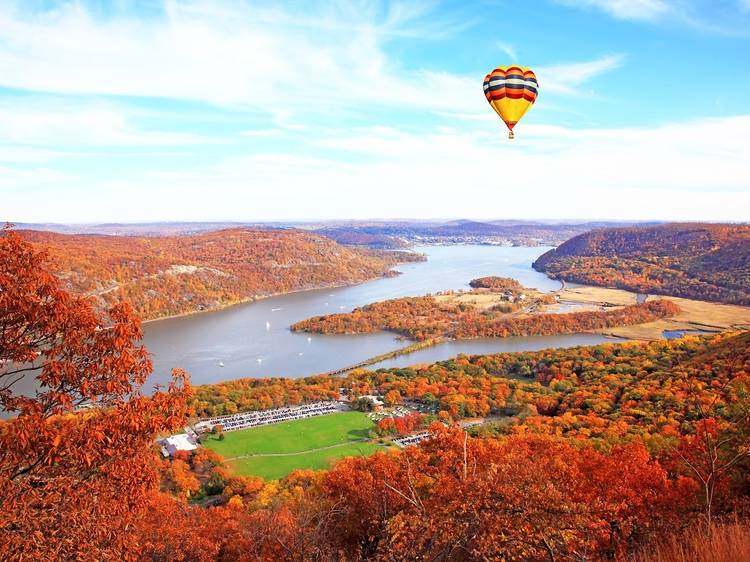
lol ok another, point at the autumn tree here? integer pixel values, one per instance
(76, 465)
(528, 498)
(718, 448)
(392, 397)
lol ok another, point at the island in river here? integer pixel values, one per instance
(497, 308)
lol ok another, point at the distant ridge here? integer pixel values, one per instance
(400, 227)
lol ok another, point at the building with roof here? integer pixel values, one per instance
(180, 442)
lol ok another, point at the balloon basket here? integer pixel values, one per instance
(511, 136)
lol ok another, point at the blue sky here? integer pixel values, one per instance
(218, 110)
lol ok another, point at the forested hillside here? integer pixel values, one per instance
(592, 452)
(696, 261)
(604, 392)
(167, 275)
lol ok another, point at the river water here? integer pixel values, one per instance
(254, 340)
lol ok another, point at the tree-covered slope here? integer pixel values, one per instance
(697, 261)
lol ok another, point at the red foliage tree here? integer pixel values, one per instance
(521, 498)
(72, 481)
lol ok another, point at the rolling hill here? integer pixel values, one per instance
(168, 275)
(697, 261)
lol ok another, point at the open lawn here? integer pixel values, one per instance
(274, 467)
(272, 451)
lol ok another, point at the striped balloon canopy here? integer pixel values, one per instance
(511, 91)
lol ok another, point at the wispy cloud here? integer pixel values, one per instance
(689, 170)
(508, 49)
(18, 182)
(645, 10)
(266, 60)
(725, 18)
(44, 123)
(224, 53)
(566, 78)
(299, 99)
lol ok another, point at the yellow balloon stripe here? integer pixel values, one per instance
(511, 110)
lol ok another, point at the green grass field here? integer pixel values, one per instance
(272, 468)
(296, 442)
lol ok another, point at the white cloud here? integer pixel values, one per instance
(508, 49)
(287, 65)
(644, 10)
(17, 184)
(55, 124)
(26, 154)
(565, 78)
(217, 52)
(724, 18)
(695, 170)
(283, 65)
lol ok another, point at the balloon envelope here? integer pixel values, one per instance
(511, 91)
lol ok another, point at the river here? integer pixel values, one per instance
(254, 340)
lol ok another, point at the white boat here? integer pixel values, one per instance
(275, 309)
(221, 364)
(268, 325)
(259, 360)
(309, 339)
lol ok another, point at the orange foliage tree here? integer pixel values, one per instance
(521, 498)
(72, 480)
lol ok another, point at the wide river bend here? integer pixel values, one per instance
(254, 340)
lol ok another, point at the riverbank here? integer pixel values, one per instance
(259, 298)
(256, 298)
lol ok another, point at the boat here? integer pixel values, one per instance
(221, 364)
(268, 325)
(309, 339)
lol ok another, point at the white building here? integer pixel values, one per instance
(175, 443)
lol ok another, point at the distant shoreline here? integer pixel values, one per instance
(257, 298)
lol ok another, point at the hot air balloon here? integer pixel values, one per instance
(511, 91)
